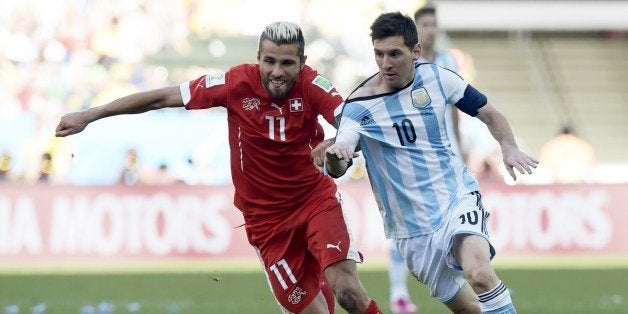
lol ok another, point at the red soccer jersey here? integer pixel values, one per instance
(270, 139)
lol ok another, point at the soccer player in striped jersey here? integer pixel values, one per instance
(427, 30)
(292, 216)
(429, 201)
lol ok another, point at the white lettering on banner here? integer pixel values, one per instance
(71, 229)
(213, 222)
(134, 235)
(157, 224)
(19, 232)
(159, 242)
(548, 221)
(108, 225)
(5, 210)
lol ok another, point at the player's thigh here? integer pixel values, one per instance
(471, 251)
(328, 237)
(292, 271)
(342, 273)
(426, 259)
(316, 306)
(467, 226)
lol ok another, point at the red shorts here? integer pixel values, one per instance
(296, 247)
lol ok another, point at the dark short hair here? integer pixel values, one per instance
(395, 24)
(425, 10)
(284, 33)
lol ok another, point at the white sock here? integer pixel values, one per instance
(494, 299)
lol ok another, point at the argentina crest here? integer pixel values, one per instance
(420, 98)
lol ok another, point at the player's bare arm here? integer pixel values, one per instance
(76, 122)
(502, 132)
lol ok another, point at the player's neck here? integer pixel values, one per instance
(382, 87)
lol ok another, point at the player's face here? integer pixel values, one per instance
(428, 29)
(395, 60)
(279, 67)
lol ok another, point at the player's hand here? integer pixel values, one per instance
(318, 153)
(72, 123)
(514, 158)
(341, 151)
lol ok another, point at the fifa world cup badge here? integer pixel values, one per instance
(420, 98)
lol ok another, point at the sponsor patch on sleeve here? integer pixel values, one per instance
(215, 79)
(323, 83)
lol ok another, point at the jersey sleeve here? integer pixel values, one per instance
(461, 94)
(349, 129)
(205, 92)
(325, 96)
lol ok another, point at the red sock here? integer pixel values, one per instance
(373, 309)
(328, 293)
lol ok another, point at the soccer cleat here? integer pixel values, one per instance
(403, 306)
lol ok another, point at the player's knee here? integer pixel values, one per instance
(348, 299)
(481, 278)
(341, 274)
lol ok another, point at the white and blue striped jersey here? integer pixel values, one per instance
(415, 175)
(447, 61)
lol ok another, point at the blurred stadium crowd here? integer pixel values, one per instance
(65, 55)
(59, 56)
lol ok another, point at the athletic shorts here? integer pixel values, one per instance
(295, 248)
(429, 256)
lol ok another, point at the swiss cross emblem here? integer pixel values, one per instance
(296, 104)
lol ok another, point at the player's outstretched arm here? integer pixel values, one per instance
(76, 122)
(502, 132)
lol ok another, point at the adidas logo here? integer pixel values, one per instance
(366, 120)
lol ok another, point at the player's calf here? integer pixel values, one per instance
(343, 278)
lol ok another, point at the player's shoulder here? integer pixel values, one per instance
(425, 68)
(311, 79)
(243, 77)
(363, 91)
(244, 71)
(372, 88)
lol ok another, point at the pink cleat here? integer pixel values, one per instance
(403, 306)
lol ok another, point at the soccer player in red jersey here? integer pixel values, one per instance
(292, 216)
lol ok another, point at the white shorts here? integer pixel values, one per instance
(429, 257)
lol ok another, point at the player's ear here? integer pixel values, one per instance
(258, 55)
(416, 52)
(303, 61)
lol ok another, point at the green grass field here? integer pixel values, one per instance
(202, 289)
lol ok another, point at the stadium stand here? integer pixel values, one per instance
(543, 80)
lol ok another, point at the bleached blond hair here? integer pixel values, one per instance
(284, 33)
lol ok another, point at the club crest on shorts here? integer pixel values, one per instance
(420, 98)
(295, 296)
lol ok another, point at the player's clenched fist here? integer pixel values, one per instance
(341, 151)
(72, 123)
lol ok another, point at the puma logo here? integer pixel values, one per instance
(278, 108)
(336, 246)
